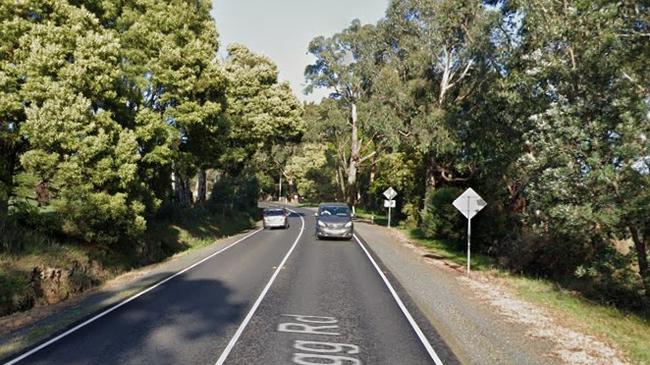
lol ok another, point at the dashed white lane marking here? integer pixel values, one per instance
(401, 305)
(242, 326)
(118, 305)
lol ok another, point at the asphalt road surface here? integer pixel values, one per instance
(275, 297)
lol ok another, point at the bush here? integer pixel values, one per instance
(239, 193)
(27, 227)
(13, 296)
(439, 218)
(410, 211)
(102, 218)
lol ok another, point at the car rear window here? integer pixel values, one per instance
(273, 212)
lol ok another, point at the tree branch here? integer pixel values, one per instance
(367, 157)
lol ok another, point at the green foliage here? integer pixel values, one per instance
(542, 107)
(236, 193)
(394, 170)
(27, 227)
(108, 111)
(102, 218)
(262, 111)
(102, 102)
(439, 217)
(12, 296)
(307, 167)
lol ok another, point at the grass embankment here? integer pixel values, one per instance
(629, 331)
(377, 218)
(85, 265)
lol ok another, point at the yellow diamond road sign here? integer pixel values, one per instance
(469, 203)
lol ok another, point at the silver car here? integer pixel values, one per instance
(275, 218)
(334, 220)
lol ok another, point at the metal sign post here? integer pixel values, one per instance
(469, 203)
(390, 193)
(389, 204)
(469, 235)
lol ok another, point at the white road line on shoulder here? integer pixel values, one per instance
(242, 326)
(401, 305)
(125, 301)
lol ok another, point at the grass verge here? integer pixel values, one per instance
(446, 251)
(379, 218)
(630, 332)
(84, 266)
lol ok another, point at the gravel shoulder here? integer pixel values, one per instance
(480, 319)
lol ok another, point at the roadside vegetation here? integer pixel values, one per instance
(124, 139)
(540, 106)
(629, 330)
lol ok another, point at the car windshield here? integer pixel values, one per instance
(273, 212)
(337, 211)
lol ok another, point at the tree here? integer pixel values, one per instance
(13, 24)
(309, 167)
(75, 143)
(439, 55)
(586, 166)
(344, 64)
(184, 88)
(264, 115)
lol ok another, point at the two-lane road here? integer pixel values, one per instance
(274, 297)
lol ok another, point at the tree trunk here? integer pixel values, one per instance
(201, 186)
(373, 170)
(7, 167)
(183, 191)
(290, 189)
(340, 181)
(642, 257)
(430, 169)
(355, 151)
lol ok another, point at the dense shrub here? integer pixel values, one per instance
(102, 218)
(27, 227)
(13, 296)
(439, 218)
(238, 193)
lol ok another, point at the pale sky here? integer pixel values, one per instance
(282, 29)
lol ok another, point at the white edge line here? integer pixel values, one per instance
(401, 305)
(125, 301)
(242, 326)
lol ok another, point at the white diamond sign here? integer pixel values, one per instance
(469, 203)
(390, 193)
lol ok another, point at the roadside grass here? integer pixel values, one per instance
(444, 250)
(379, 218)
(194, 228)
(628, 331)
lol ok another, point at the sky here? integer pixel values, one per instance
(282, 29)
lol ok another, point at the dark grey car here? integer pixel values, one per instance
(334, 220)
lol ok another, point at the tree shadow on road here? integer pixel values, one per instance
(181, 322)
